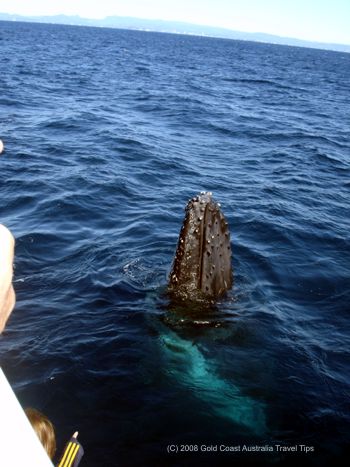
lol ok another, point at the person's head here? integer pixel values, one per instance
(44, 430)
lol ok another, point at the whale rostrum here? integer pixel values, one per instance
(202, 267)
(201, 273)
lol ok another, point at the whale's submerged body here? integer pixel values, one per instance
(202, 267)
(202, 273)
(189, 366)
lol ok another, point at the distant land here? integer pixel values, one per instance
(175, 27)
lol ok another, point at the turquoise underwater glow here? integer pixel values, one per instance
(190, 368)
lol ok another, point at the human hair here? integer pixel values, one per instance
(44, 430)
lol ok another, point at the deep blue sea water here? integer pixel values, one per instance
(108, 133)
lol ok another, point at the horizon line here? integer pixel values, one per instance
(310, 42)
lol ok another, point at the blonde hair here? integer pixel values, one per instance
(44, 430)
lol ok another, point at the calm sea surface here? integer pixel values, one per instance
(108, 133)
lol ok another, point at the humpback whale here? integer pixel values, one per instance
(200, 275)
(202, 269)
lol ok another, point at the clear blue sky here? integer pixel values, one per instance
(317, 20)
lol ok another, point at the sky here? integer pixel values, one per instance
(315, 20)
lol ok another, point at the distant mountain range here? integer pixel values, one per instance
(173, 27)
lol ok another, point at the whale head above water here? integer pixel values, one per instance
(201, 273)
(202, 268)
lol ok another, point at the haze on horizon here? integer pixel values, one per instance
(312, 20)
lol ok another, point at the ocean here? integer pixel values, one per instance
(108, 133)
